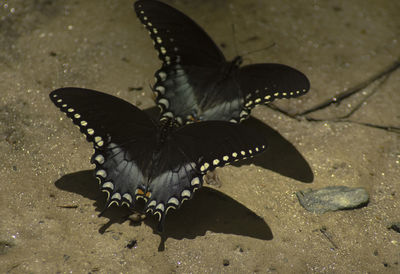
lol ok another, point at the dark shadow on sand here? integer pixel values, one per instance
(209, 210)
(281, 156)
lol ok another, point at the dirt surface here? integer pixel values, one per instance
(251, 221)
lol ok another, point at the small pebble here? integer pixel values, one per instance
(137, 217)
(332, 198)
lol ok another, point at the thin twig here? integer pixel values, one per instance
(350, 92)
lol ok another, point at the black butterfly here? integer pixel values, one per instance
(196, 82)
(137, 158)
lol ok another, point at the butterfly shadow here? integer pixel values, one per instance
(209, 210)
(281, 156)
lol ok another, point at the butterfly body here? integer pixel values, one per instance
(161, 163)
(196, 82)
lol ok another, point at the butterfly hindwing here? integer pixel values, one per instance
(263, 83)
(193, 150)
(218, 143)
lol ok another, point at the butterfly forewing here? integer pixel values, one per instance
(124, 138)
(177, 38)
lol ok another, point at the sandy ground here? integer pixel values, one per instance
(252, 222)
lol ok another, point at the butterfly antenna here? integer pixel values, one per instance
(258, 50)
(234, 40)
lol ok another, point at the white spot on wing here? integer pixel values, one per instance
(99, 159)
(108, 185)
(168, 114)
(185, 194)
(101, 173)
(204, 167)
(161, 89)
(174, 201)
(152, 203)
(128, 197)
(116, 196)
(162, 75)
(163, 50)
(195, 181)
(160, 207)
(164, 102)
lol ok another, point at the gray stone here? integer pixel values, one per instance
(332, 198)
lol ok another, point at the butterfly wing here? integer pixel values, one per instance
(176, 37)
(193, 150)
(195, 93)
(263, 83)
(124, 138)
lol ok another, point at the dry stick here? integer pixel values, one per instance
(353, 90)
(357, 107)
(328, 236)
(344, 119)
